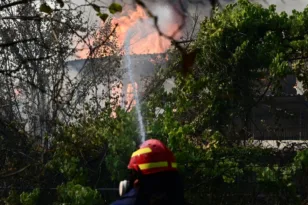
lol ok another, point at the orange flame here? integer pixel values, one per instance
(146, 38)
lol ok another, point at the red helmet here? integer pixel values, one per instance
(152, 157)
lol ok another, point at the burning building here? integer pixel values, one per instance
(276, 118)
(137, 33)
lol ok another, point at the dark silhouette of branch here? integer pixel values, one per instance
(8, 44)
(14, 4)
(9, 72)
(36, 59)
(25, 18)
(26, 81)
(129, 105)
(188, 57)
(14, 173)
(92, 51)
(263, 95)
(186, 41)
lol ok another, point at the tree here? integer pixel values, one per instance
(39, 95)
(243, 53)
(41, 87)
(235, 49)
(101, 72)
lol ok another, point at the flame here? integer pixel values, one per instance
(145, 39)
(130, 98)
(117, 94)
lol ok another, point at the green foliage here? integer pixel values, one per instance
(76, 194)
(301, 159)
(91, 152)
(46, 8)
(96, 7)
(113, 137)
(239, 49)
(114, 8)
(30, 198)
(12, 199)
(68, 165)
(103, 16)
(104, 141)
(243, 52)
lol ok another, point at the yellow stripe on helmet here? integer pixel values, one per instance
(142, 151)
(153, 165)
(174, 165)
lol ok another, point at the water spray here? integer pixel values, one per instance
(128, 65)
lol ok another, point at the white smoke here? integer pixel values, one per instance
(169, 11)
(145, 27)
(166, 16)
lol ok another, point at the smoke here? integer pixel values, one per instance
(197, 10)
(289, 5)
(172, 13)
(193, 12)
(202, 7)
(166, 19)
(145, 37)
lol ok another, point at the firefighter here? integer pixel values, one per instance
(154, 179)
